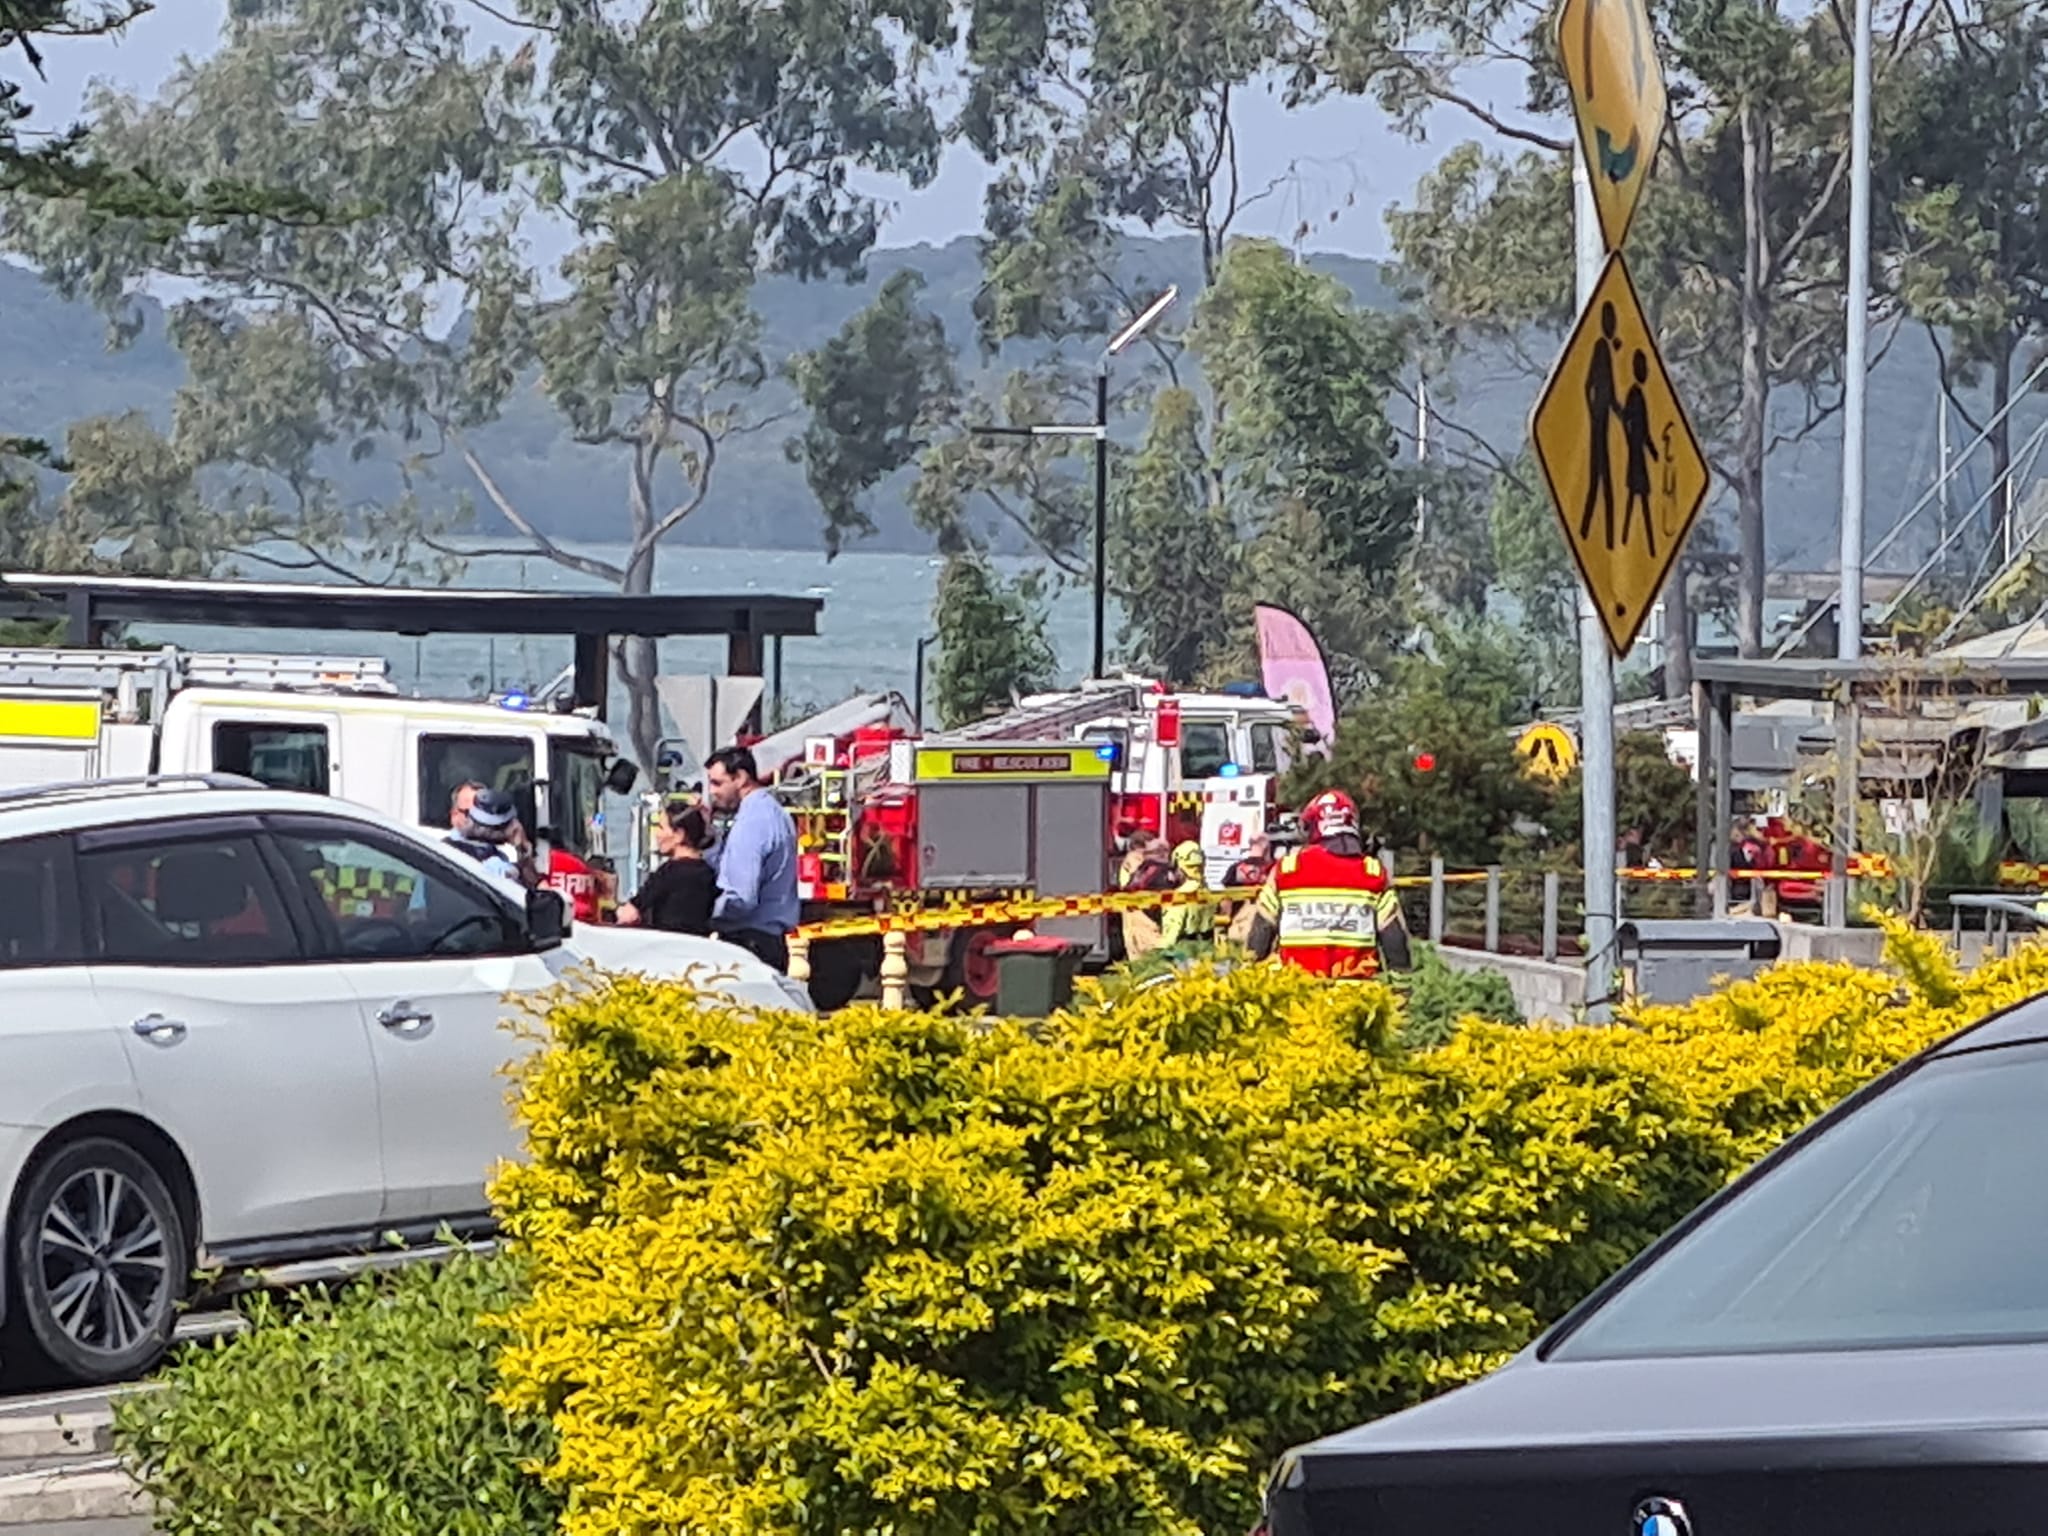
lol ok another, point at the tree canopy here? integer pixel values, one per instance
(351, 193)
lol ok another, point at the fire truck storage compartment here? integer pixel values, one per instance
(1014, 818)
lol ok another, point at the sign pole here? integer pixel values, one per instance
(1596, 679)
(1623, 465)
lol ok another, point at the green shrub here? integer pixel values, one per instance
(1438, 999)
(363, 1413)
(923, 1274)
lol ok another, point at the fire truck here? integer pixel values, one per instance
(328, 725)
(1037, 801)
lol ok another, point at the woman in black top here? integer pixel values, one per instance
(677, 897)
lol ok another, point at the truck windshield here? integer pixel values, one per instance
(576, 771)
(449, 762)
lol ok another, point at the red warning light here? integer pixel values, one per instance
(1425, 762)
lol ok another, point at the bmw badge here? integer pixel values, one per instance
(1662, 1517)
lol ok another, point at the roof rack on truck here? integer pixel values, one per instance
(1054, 716)
(100, 670)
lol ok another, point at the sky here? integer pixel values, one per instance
(1337, 166)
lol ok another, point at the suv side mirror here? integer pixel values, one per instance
(622, 776)
(547, 918)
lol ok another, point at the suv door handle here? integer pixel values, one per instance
(401, 1018)
(158, 1030)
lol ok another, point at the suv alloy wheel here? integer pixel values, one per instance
(98, 1260)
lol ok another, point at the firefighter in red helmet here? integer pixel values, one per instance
(1329, 908)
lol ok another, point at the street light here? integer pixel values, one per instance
(917, 707)
(1099, 431)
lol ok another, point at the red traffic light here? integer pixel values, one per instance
(1425, 762)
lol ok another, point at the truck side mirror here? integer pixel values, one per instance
(623, 774)
(547, 918)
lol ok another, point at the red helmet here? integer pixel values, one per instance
(1330, 814)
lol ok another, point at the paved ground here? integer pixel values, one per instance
(83, 1528)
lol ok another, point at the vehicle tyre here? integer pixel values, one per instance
(838, 968)
(971, 968)
(98, 1261)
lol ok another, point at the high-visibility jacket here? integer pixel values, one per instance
(1327, 909)
(364, 893)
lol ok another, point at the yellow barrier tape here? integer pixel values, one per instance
(956, 910)
(1023, 908)
(984, 914)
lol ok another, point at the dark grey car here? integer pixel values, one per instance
(1851, 1340)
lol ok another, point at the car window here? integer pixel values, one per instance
(1919, 1219)
(391, 904)
(1204, 748)
(1265, 749)
(576, 797)
(33, 927)
(449, 762)
(280, 756)
(194, 901)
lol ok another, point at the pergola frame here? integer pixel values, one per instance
(1849, 686)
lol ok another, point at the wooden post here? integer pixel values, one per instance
(895, 969)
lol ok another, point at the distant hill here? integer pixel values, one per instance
(56, 369)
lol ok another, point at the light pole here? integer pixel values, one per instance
(1855, 394)
(1099, 431)
(917, 690)
(1856, 348)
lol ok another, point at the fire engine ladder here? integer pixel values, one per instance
(104, 671)
(1051, 717)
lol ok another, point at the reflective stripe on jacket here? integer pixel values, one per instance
(1327, 909)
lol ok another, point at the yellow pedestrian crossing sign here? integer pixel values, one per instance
(1609, 58)
(1547, 751)
(1622, 463)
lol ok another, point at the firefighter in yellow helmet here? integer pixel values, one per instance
(1188, 921)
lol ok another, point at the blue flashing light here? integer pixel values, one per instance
(1107, 751)
(1228, 771)
(513, 700)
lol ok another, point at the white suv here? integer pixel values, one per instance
(241, 1027)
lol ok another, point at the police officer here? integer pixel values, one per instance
(487, 829)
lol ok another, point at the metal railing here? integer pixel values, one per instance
(1999, 913)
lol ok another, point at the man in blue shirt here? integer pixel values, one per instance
(757, 902)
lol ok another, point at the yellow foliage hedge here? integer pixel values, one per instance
(918, 1274)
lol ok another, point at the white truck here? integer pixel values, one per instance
(326, 725)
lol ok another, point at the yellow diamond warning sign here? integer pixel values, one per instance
(1620, 458)
(1609, 57)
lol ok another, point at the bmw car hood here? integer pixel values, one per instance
(1935, 1442)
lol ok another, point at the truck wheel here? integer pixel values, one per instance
(972, 969)
(98, 1260)
(838, 967)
